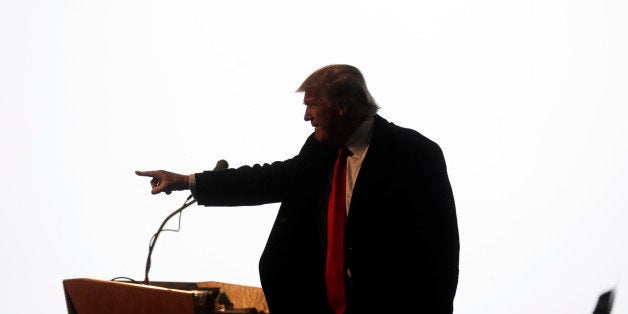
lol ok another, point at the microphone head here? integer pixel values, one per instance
(221, 165)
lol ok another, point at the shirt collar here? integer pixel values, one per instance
(360, 139)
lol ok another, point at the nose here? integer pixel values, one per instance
(307, 116)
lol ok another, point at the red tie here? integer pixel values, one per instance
(336, 213)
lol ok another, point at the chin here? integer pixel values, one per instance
(321, 139)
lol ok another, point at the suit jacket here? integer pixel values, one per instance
(401, 236)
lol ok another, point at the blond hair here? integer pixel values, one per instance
(340, 82)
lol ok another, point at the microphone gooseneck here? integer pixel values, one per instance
(220, 165)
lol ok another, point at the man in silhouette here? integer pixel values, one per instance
(367, 220)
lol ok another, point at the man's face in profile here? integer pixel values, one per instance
(325, 119)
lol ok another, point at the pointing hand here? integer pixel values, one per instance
(165, 181)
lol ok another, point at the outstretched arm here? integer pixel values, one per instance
(165, 181)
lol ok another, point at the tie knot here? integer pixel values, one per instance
(343, 152)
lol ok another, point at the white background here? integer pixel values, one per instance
(527, 98)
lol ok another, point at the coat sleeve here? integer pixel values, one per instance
(258, 184)
(445, 245)
(247, 185)
(429, 245)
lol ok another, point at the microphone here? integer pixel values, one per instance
(220, 165)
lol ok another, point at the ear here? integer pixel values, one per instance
(343, 107)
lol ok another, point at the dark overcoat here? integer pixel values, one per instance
(401, 236)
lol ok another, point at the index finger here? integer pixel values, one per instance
(146, 173)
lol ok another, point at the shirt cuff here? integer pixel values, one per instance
(192, 184)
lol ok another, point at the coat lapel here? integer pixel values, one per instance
(373, 170)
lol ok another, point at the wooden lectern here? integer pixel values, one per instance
(92, 296)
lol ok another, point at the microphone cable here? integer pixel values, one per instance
(189, 201)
